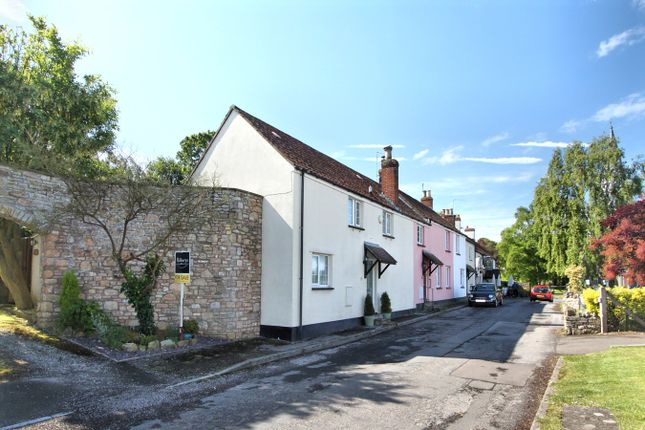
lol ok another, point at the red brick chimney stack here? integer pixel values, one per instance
(389, 175)
(449, 216)
(427, 199)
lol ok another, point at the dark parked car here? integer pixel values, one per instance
(514, 290)
(485, 294)
(541, 292)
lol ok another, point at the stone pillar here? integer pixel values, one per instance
(602, 299)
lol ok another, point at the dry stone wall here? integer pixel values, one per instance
(225, 245)
(576, 324)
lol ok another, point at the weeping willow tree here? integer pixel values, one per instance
(47, 113)
(582, 187)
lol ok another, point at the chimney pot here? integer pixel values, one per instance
(388, 152)
(427, 198)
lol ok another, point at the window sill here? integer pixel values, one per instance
(389, 236)
(421, 245)
(447, 250)
(355, 227)
(458, 253)
(322, 288)
(438, 288)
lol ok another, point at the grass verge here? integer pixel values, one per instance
(12, 324)
(613, 379)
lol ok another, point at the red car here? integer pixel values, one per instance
(541, 292)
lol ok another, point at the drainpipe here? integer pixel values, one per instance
(302, 229)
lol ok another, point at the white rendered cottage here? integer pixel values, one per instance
(329, 233)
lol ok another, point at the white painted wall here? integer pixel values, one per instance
(459, 262)
(326, 231)
(241, 158)
(470, 259)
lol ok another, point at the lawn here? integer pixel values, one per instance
(613, 379)
(10, 323)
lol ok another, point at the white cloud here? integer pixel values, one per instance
(374, 146)
(571, 126)
(545, 144)
(503, 160)
(494, 139)
(448, 156)
(631, 106)
(420, 154)
(628, 37)
(639, 4)
(13, 10)
(467, 185)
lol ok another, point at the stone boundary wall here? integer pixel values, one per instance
(226, 248)
(580, 324)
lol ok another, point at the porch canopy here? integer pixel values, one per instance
(470, 270)
(428, 260)
(374, 255)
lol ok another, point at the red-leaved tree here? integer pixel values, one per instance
(623, 246)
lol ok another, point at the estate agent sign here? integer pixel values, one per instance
(182, 267)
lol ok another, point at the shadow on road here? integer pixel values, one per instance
(344, 378)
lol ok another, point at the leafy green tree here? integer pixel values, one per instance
(45, 107)
(50, 118)
(177, 171)
(167, 170)
(489, 245)
(581, 188)
(518, 249)
(551, 216)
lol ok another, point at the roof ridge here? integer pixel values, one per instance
(244, 113)
(316, 163)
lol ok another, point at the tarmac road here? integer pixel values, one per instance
(470, 368)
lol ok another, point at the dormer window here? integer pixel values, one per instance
(354, 212)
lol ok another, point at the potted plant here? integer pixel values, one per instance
(369, 313)
(386, 306)
(191, 328)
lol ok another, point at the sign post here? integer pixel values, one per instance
(182, 277)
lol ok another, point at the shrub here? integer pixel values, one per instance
(575, 275)
(138, 289)
(115, 336)
(74, 313)
(369, 306)
(171, 333)
(386, 305)
(590, 299)
(632, 299)
(146, 339)
(191, 326)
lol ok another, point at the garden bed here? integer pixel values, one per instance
(95, 346)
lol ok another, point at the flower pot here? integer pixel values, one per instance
(387, 315)
(369, 320)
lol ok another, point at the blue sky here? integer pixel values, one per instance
(472, 95)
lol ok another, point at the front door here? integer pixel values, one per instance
(372, 276)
